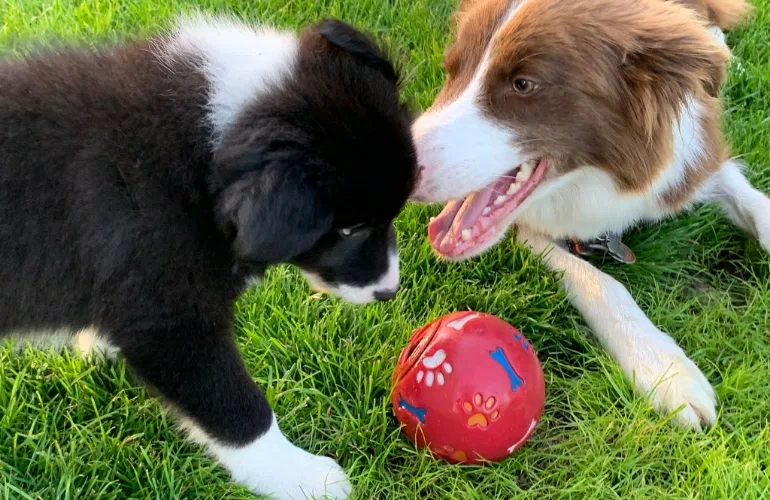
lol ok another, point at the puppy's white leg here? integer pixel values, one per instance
(747, 207)
(650, 358)
(201, 375)
(272, 465)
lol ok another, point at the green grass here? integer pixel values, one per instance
(72, 429)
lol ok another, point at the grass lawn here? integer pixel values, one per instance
(74, 429)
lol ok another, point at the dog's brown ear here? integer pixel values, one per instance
(670, 50)
(727, 13)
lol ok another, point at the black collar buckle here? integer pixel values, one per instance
(606, 244)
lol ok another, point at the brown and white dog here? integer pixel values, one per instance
(574, 119)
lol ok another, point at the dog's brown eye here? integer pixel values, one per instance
(524, 86)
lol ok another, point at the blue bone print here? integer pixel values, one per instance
(499, 356)
(417, 412)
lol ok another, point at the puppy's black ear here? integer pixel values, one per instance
(270, 216)
(344, 37)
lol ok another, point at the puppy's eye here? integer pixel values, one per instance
(523, 86)
(350, 231)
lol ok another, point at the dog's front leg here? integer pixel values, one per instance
(200, 373)
(651, 359)
(746, 206)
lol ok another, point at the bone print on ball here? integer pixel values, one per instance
(469, 387)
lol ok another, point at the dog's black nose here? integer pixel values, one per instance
(384, 295)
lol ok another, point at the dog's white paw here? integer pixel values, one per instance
(313, 477)
(276, 468)
(304, 476)
(271, 465)
(662, 371)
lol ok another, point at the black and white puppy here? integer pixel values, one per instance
(142, 187)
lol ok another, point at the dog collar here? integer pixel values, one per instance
(606, 244)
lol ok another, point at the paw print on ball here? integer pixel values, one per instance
(436, 369)
(481, 412)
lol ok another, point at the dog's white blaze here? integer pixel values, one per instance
(271, 465)
(239, 60)
(461, 149)
(650, 358)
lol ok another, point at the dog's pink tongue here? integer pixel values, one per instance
(456, 216)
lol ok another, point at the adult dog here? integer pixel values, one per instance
(143, 186)
(573, 121)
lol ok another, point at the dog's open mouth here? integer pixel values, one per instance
(466, 225)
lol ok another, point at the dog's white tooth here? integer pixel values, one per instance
(500, 200)
(513, 188)
(466, 234)
(486, 211)
(526, 171)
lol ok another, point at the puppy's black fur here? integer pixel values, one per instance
(122, 209)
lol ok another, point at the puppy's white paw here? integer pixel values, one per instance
(298, 475)
(302, 476)
(273, 466)
(321, 478)
(660, 369)
(313, 477)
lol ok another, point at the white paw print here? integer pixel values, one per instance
(434, 365)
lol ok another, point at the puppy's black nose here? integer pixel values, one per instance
(384, 295)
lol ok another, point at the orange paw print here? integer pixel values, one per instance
(481, 412)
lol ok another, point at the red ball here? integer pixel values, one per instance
(470, 387)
